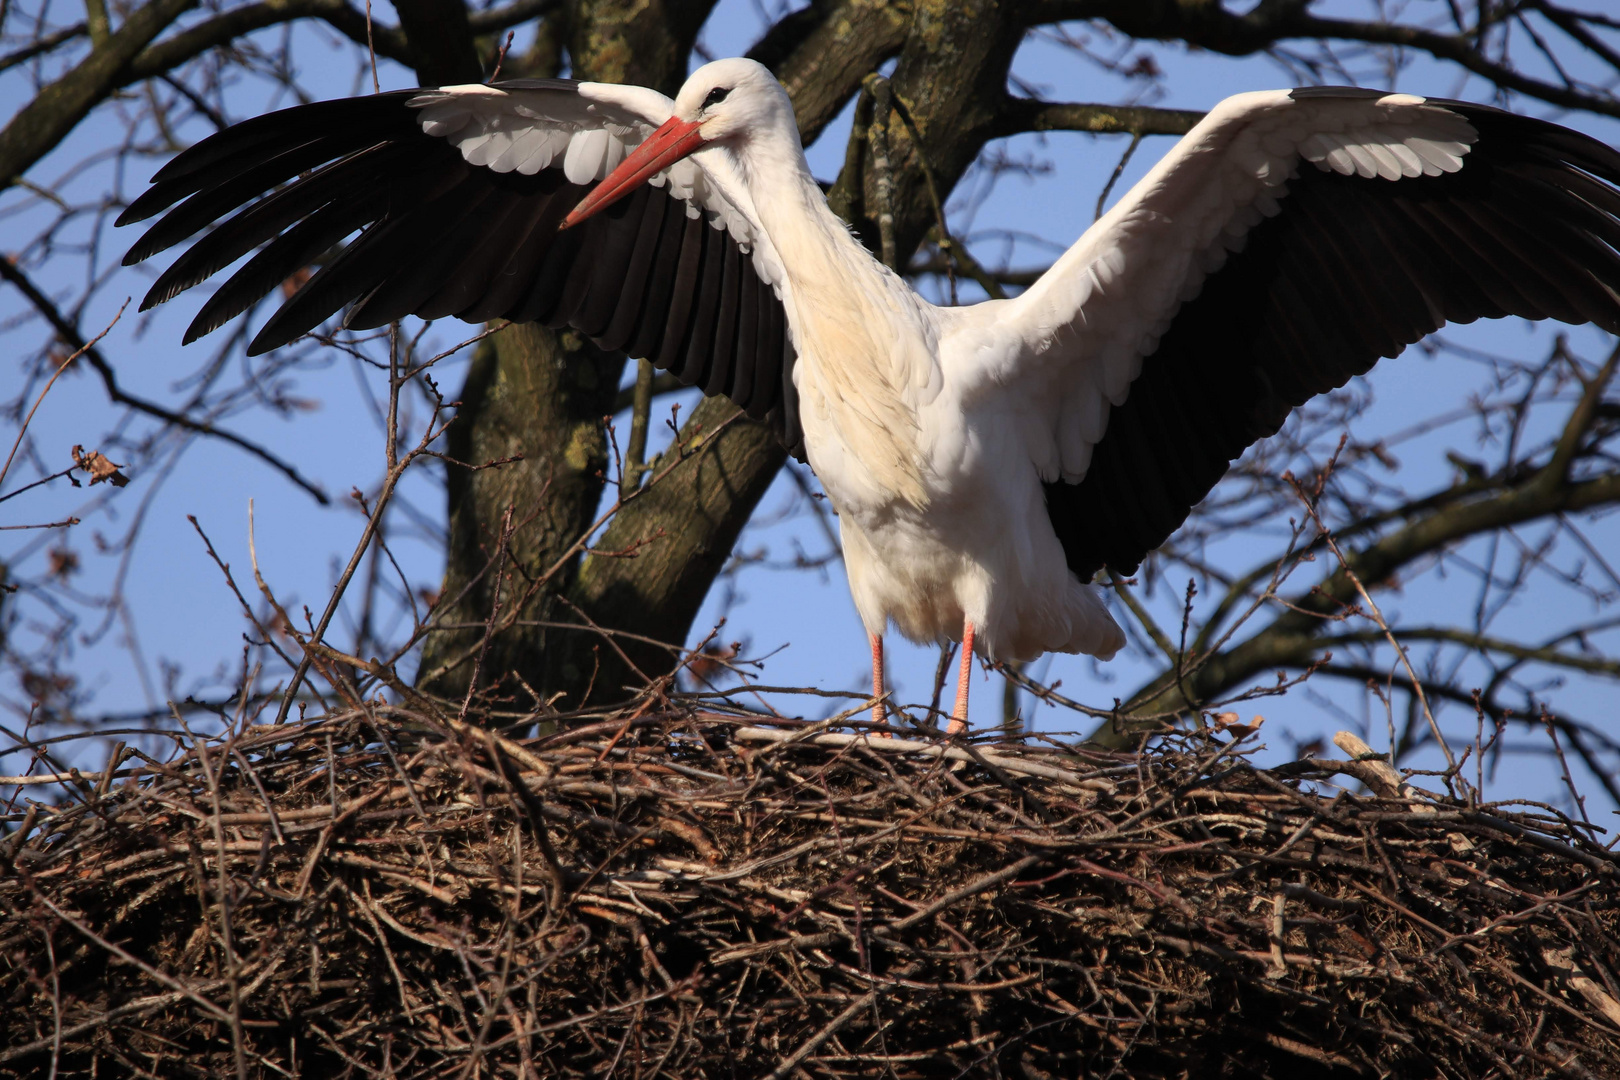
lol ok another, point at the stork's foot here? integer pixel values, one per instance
(959, 714)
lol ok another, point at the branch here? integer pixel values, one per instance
(41, 124)
(709, 481)
(1019, 115)
(934, 262)
(22, 432)
(1532, 494)
(1211, 26)
(495, 20)
(388, 41)
(829, 59)
(1378, 617)
(1151, 628)
(1290, 641)
(662, 383)
(169, 54)
(1580, 421)
(789, 33)
(441, 40)
(1360, 673)
(1460, 49)
(1545, 654)
(1465, 489)
(635, 455)
(43, 45)
(1570, 24)
(99, 27)
(70, 334)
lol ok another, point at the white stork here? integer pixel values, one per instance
(984, 461)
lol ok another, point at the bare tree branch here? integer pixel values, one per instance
(42, 46)
(70, 334)
(46, 120)
(1544, 654)
(441, 41)
(1020, 115)
(1213, 27)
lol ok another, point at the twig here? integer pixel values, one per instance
(371, 51)
(1378, 617)
(63, 366)
(1113, 178)
(500, 57)
(109, 381)
(815, 1041)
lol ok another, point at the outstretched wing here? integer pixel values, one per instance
(1288, 242)
(456, 195)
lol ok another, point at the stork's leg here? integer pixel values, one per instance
(877, 683)
(959, 714)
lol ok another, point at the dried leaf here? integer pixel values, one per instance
(46, 686)
(711, 662)
(63, 562)
(99, 468)
(295, 281)
(1145, 66)
(1229, 723)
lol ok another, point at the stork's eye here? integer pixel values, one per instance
(716, 96)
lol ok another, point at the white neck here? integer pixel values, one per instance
(795, 213)
(864, 337)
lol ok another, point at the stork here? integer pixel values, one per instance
(985, 461)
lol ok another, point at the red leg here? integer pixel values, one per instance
(877, 683)
(959, 714)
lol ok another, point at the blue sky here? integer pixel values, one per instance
(183, 618)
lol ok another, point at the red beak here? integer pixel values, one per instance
(670, 143)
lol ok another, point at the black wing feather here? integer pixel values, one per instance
(266, 219)
(533, 237)
(768, 368)
(277, 261)
(688, 287)
(438, 237)
(725, 324)
(375, 254)
(422, 256)
(700, 329)
(627, 299)
(740, 384)
(487, 252)
(348, 123)
(661, 285)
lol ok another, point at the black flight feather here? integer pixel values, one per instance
(434, 236)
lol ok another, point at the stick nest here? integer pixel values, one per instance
(685, 893)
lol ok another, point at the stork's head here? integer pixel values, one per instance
(730, 100)
(727, 102)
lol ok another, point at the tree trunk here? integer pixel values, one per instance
(540, 396)
(537, 397)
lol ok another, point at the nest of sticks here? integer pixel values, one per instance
(684, 891)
